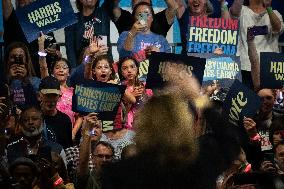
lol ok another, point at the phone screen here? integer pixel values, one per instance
(143, 18)
(102, 40)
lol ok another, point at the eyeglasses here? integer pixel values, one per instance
(102, 156)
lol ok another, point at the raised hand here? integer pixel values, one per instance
(250, 126)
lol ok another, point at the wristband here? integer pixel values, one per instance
(269, 10)
(87, 59)
(58, 182)
(42, 54)
(256, 138)
(225, 6)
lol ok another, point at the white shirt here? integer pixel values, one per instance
(263, 43)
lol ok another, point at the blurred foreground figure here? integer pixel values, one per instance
(173, 149)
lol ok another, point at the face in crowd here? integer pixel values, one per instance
(129, 70)
(197, 7)
(22, 3)
(279, 156)
(24, 176)
(102, 70)
(17, 63)
(89, 3)
(146, 10)
(277, 137)
(268, 98)
(61, 71)
(102, 155)
(48, 102)
(32, 123)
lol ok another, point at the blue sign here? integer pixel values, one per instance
(206, 34)
(271, 70)
(240, 102)
(222, 68)
(45, 16)
(160, 64)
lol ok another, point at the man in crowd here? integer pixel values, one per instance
(72, 153)
(56, 121)
(25, 172)
(102, 154)
(31, 142)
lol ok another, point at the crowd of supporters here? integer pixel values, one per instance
(174, 137)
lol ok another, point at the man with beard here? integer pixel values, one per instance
(31, 142)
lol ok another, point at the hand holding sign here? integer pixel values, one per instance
(250, 127)
(41, 40)
(138, 91)
(151, 49)
(46, 16)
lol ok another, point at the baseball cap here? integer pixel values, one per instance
(49, 85)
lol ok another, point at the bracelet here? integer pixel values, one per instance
(256, 138)
(87, 59)
(42, 54)
(225, 6)
(59, 181)
(269, 10)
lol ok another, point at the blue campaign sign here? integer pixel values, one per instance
(102, 98)
(45, 16)
(240, 101)
(271, 70)
(1, 22)
(160, 65)
(206, 34)
(92, 96)
(222, 68)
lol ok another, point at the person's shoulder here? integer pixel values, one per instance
(72, 153)
(124, 33)
(16, 141)
(62, 115)
(55, 147)
(72, 150)
(159, 14)
(125, 12)
(246, 10)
